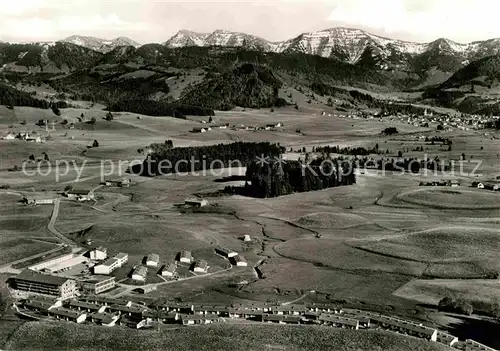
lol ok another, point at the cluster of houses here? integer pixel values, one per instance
(25, 136)
(486, 185)
(110, 312)
(269, 126)
(456, 183)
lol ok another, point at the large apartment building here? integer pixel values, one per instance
(47, 284)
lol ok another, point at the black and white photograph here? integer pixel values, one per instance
(294, 175)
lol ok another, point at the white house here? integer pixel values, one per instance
(99, 253)
(226, 252)
(140, 273)
(107, 266)
(9, 136)
(240, 261)
(169, 270)
(122, 258)
(200, 267)
(152, 260)
(185, 257)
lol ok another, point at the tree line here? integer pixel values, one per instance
(159, 108)
(199, 158)
(361, 151)
(287, 177)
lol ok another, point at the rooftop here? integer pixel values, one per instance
(66, 313)
(153, 257)
(32, 276)
(141, 270)
(121, 256)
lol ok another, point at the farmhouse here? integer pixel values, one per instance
(80, 194)
(123, 182)
(169, 270)
(38, 200)
(196, 202)
(104, 319)
(32, 281)
(200, 266)
(68, 315)
(97, 284)
(185, 257)
(240, 261)
(200, 130)
(140, 273)
(153, 260)
(225, 252)
(99, 253)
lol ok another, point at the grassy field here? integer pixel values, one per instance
(60, 336)
(366, 243)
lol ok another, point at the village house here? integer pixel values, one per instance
(245, 313)
(85, 306)
(447, 339)
(295, 310)
(163, 316)
(185, 308)
(152, 260)
(200, 266)
(338, 321)
(405, 327)
(140, 273)
(169, 270)
(104, 319)
(185, 257)
(38, 200)
(281, 319)
(225, 252)
(99, 253)
(195, 202)
(130, 311)
(240, 261)
(80, 194)
(40, 305)
(222, 311)
(68, 315)
(9, 136)
(200, 319)
(132, 322)
(123, 182)
(471, 345)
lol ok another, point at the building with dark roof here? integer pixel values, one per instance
(104, 319)
(140, 273)
(200, 266)
(47, 284)
(153, 260)
(97, 284)
(169, 270)
(68, 315)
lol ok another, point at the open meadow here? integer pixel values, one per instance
(383, 241)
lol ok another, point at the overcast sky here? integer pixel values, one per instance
(156, 20)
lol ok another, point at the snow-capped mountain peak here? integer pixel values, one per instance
(98, 44)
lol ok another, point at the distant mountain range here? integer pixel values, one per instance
(352, 46)
(100, 45)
